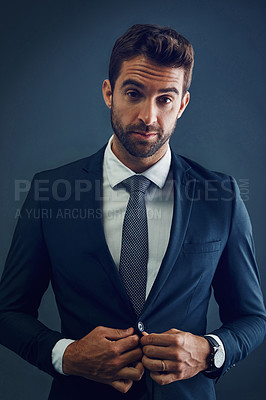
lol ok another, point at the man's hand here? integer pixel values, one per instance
(174, 355)
(110, 356)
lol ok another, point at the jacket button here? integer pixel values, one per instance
(141, 327)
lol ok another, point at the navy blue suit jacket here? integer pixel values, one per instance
(60, 238)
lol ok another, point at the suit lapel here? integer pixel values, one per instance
(184, 188)
(94, 169)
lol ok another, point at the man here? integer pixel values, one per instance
(132, 268)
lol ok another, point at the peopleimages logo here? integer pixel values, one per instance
(243, 185)
(62, 190)
(59, 190)
(66, 213)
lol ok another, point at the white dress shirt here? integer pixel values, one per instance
(159, 204)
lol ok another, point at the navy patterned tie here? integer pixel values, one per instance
(134, 248)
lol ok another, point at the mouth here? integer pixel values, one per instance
(144, 135)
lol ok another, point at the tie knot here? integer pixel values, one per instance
(136, 183)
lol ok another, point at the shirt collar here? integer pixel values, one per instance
(117, 171)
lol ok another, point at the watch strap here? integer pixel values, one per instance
(214, 347)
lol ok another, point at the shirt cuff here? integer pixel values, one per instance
(58, 352)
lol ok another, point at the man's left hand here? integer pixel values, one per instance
(174, 355)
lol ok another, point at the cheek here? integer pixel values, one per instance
(130, 115)
(125, 112)
(167, 120)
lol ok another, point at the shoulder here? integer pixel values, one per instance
(212, 184)
(196, 170)
(74, 169)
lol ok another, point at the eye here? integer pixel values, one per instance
(133, 94)
(165, 100)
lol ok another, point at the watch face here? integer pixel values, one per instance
(219, 358)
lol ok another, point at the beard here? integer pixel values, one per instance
(139, 148)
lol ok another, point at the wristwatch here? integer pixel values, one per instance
(217, 356)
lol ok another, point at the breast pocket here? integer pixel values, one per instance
(206, 247)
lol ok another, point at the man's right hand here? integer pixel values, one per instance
(105, 355)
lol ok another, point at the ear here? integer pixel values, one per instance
(184, 104)
(107, 93)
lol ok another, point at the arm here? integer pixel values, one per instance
(237, 289)
(25, 279)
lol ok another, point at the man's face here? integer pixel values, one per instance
(145, 105)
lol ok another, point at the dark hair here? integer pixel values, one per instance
(162, 45)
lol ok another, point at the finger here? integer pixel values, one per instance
(163, 379)
(150, 364)
(132, 373)
(126, 344)
(153, 365)
(159, 365)
(157, 339)
(162, 366)
(122, 386)
(160, 352)
(170, 331)
(116, 334)
(131, 357)
(139, 367)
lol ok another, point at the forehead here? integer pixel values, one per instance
(149, 73)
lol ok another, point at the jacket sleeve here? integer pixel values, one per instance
(25, 278)
(237, 289)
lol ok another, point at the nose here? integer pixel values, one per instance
(148, 113)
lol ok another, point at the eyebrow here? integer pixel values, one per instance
(141, 86)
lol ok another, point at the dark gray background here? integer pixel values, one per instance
(54, 57)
